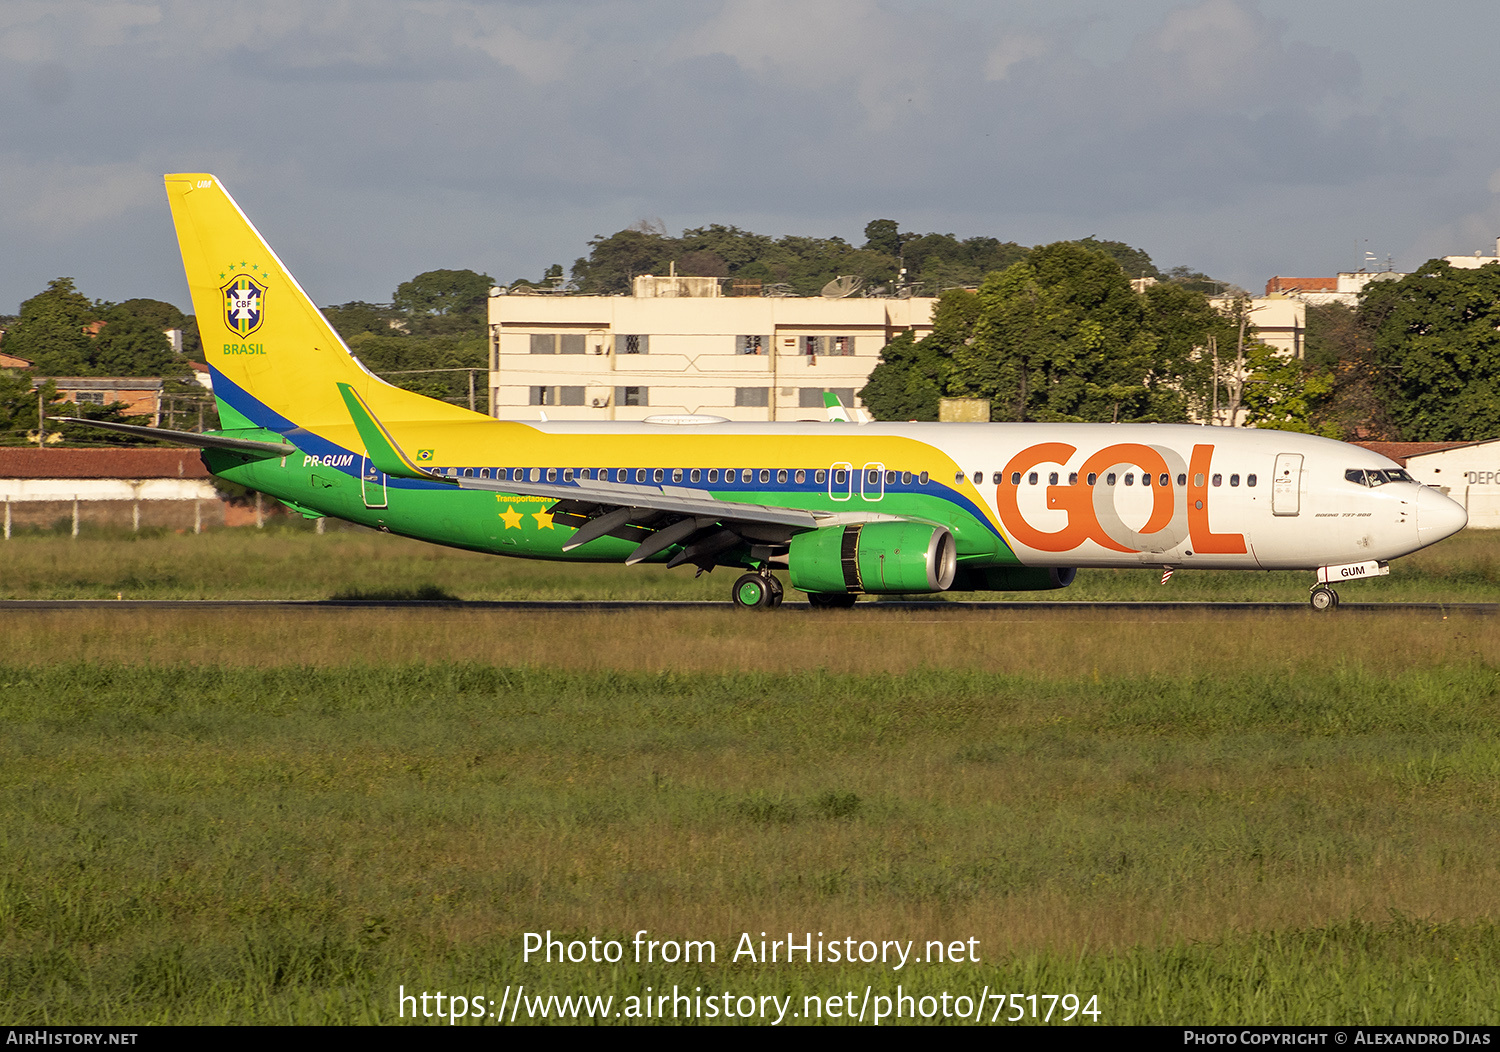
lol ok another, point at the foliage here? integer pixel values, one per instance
(443, 302)
(1437, 348)
(1339, 340)
(405, 361)
(50, 331)
(912, 374)
(1284, 394)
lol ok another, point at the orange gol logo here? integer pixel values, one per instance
(1091, 509)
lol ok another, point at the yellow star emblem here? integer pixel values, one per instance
(543, 519)
(512, 517)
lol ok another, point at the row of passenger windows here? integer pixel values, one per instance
(711, 476)
(1110, 479)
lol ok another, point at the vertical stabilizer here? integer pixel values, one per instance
(277, 361)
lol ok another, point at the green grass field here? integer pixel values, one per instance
(293, 562)
(291, 816)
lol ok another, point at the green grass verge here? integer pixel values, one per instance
(292, 562)
(201, 844)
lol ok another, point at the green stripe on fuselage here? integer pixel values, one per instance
(507, 524)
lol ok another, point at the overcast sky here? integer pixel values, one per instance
(373, 140)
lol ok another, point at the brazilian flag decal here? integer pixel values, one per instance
(244, 305)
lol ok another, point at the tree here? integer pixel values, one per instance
(50, 331)
(1437, 349)
(1061, 337)
(444, 302)
(131, 344)
(883, 235)
(357, 316)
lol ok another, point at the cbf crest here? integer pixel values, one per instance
(244, 305)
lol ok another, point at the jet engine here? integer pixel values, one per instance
(881, 558)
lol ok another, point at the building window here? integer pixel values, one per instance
(632, 344)
(812, 397)
(570, 344)
(630, 396)
(752, 345)
(557, 396)
(756, 397)
(543, 343)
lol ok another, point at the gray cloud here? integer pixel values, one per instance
(380, 138)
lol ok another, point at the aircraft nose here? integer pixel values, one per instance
(1438, 516)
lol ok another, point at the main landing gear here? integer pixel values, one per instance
(757, 591)
(1323, 598)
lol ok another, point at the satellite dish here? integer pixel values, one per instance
(841, 286)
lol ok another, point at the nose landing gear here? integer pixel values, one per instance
(1323, 598)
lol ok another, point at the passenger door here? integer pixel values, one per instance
(1286, 485)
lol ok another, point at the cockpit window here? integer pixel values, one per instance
(1374, 477)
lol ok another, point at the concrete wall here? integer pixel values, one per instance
(1469, 474)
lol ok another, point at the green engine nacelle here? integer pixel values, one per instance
(1013, 578)
(881, 558)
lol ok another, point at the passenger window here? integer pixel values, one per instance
(676, 474)
(656, 476)
(905, 478)
(872, 477)
(1093, 478)
(820, 476)
(765, 475)
(1052, 479)
(640, 474)
(1249, 480)
(1109, 480)
(840, 477)
(1198, 481)
(997, 478)
(800, 477)
(781, 476)
(921, 479)
(551, 474)
(958, 476)
(890, 478)
(978, 478)
(713, 474)
(567, 474)
(1145, 478)
(1234, 480)
(484, 473)
(536, 474)
(1015, 478)
(1218, 480)
(1073, 478)
(468, 473)
(1165, 479)
(1182, 480)
(1031, 479)
(1130, 478)
(695, 475)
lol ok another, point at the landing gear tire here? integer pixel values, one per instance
(777, 592)
(752, 592)
(1323, 598)
(831, 600)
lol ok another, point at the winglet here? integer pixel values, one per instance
(836, 412)
(380, 447)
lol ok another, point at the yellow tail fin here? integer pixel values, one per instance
(277, 362)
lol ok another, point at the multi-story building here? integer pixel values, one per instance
(679, 346)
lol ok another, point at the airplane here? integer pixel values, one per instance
(844, 508)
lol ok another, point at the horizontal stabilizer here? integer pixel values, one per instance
(187, 438)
